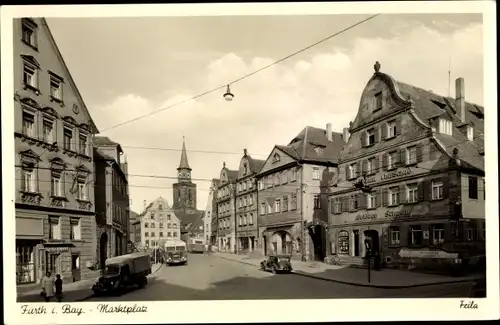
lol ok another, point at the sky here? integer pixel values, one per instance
(134, 66)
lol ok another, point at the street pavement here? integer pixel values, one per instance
(208, 277)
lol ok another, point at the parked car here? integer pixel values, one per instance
(123, 271)
(277, 264)
(175, 258)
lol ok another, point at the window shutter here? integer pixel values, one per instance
(378, 198)
(377, 134)
(347, 176)
(363, 139)
(385, 160)
(362, 198)
(402, 157)
(376, 163)
(398, 125)
(363, 167)
(420, 191)
(384, 197)
(383, 131)
(419, 153)
(446, 187)
(427, 190)
(344, 203)
(398, 161)
(402, 193)
(358, 169)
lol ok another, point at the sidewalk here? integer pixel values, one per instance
(385, 278)
(74, 291)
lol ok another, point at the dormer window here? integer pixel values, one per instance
(29, 32)
(276, 158)
(470, 133)
(445, 127)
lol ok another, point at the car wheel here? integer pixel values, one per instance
(274, 270)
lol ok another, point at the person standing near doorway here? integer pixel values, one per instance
(58, 284)
(47, 286)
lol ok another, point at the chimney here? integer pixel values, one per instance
(329, 132)
(460, 98)
(345, 134)
(145, 205)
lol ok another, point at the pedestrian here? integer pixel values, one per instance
(47, 286)
(58, 284)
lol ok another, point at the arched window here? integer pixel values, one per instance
(343, 239)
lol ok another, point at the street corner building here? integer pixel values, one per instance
(111, 199)
(246, 200)
(411, 178)
(54, 168)
(293, 188)
(226, 209)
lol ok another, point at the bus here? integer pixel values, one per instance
(196, 245)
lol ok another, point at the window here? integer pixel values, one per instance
(244, 201)
(161, 225)
(152, 215)
(68, 139)
(240, 221)
(370, 201)
(250, 185)
(353, 202)
(411, 155)
(244, 186)
(75, 230)
(56, 88)
(30, 75)
(293, 204)
(411, 193)
(370, 166)
(352, 171)
(370, 137)
(28, 178)
(28, 124)
(276, 158)
(174, 225)
(238, 187)
(472, 232)
(250, 219)
(336, 205)
(153, 234)
(294, 175)
(245, 220)
(317, 201)
(315, 173)
(82, 190)
(146, 225)
(56, 184)
(245, 169)
(378, 101)
(269, 208)
(48, 131)
(83, 144)
(250, 200)
(391, 129)
(174, 234)
(262, 209)
(146, 242)
(277, 206)
(260, 185)
(391, 160)
(416, 235)
(393, 195)
(394, 236)
(437, 190)
(54, 229)
(168, 216)
(285, 203)
(445, 127)
(284, 178)
(437, 234)
(161, 233)
(153, 225)
(28, 33)
(473, 190)
(470, 133)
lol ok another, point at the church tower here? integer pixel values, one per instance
(184, 189)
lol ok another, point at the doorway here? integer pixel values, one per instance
(103, 250)
(75, 267)
(356, 242)
(373, 234)
(318, 236)
(264, 244)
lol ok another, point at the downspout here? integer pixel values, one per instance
(302, 243)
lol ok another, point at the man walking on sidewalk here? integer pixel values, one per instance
(58, 284)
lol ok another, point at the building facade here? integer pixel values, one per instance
(292, 194)
(247, 234)
(55, 210)
(209, 213)
(411, 175)
(214, 225)
(135, 234)
(111, 199)
(226, 209)
(159, 224)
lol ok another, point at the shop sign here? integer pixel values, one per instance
(398, 214)
(370, 179)
(57, 249)
(366, 216)
(397, 173)
(426, 254)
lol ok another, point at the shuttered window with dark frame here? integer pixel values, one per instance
(473, 187)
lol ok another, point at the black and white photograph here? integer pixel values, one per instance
(283, 160)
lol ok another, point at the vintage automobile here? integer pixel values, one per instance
(175, 258)
(277, 264)
(123, 271)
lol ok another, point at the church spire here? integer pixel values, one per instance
(184, 159)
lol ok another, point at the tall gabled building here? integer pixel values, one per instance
(226, 209)
(419, 157)
(292, 193)
(55, 210)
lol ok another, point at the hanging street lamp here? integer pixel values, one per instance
(228, 95)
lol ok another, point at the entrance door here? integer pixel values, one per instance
(264, 244)
(103, 253)
(356, 242)
(75, 267)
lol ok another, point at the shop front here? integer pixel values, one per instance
(247, 242)
(283, 239)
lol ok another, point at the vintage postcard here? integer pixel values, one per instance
(275, 162)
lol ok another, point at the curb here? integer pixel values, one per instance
(300, 273)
